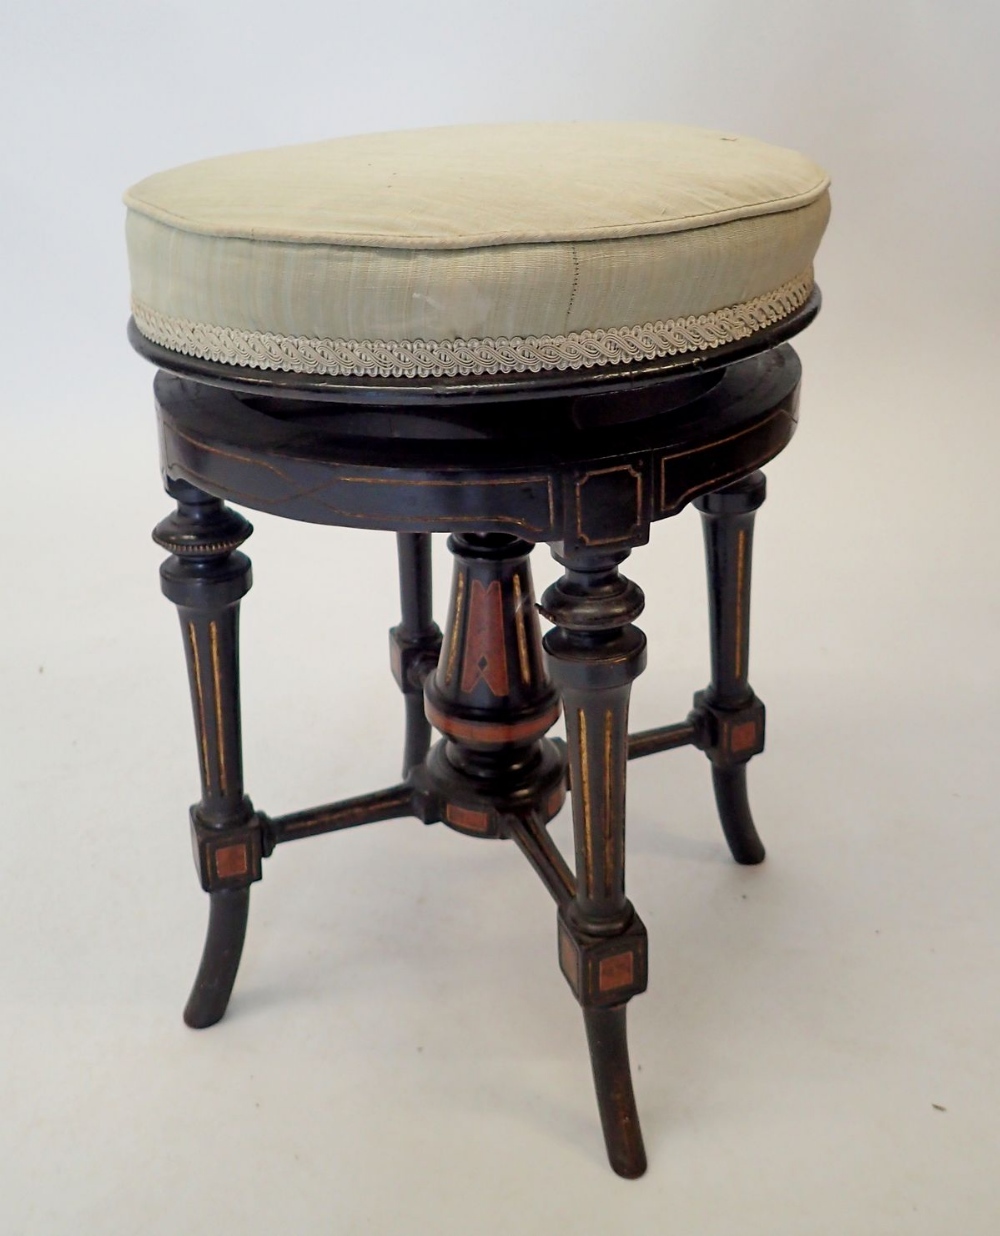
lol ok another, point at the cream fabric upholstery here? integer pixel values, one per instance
(477, 249)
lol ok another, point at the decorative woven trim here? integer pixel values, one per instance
(419, 358)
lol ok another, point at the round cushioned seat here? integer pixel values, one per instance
(476, 249)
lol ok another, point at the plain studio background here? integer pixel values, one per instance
(403, 1055)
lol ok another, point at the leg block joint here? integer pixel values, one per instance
(604, 970)
(229, 857)
(728, 736)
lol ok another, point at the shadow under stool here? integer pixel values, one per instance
(583, 458)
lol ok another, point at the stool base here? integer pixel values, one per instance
(488, 683)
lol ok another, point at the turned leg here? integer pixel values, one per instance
(594, 654)
(205, 577)
(730, 718)
(416, 642)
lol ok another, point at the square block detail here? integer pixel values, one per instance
(226, 857)
(604, 970)
(743, 737)
(615, 972)
(729, 735)
(610, 506)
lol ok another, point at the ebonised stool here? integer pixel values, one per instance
(379, 332)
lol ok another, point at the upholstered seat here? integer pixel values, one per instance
(475, 250)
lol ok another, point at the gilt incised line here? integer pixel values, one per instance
(461, 484)
(456, 623)
(424, 523)
(609, 789)
(723, 478)
(199, 692)
(626, 468)
(522, 634)
(588, 831)
(398, 483)
(741, 554)
(687, 452)
(213, 639)
(232, 455)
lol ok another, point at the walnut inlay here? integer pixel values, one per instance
(743, 736)
(485, 655)
(463, 817)
(568, 959)
(491, 731)
(231, 861)
(617, 971)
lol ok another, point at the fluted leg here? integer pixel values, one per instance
(416, 642)
(729, 715)
(594, 655)
(205, 577)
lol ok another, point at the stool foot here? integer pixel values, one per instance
(606, 1038)
(220, 960)
(730, 785)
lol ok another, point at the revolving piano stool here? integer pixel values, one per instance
(514, 334)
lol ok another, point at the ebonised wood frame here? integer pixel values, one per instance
(585, 462)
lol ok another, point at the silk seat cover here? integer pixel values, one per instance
(477, 249)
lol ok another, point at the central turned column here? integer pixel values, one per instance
(490, 695)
